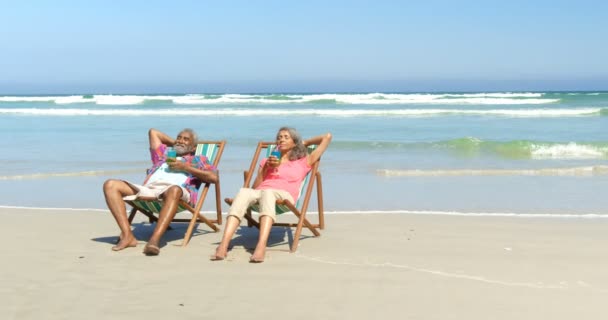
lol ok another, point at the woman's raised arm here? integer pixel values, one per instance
(322, 142)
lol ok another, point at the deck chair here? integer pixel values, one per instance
(283, 206)
(150, 206)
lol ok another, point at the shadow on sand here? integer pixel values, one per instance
(143, 230)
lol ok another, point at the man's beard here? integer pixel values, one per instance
(181, 149)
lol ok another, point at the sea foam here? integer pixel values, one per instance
(573, 171)
(329, 98)
(568, 151)
(334, 112)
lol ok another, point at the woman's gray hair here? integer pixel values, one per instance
(192, 134)
(299, 151)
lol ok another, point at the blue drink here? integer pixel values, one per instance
(171, 155)
(276, 153)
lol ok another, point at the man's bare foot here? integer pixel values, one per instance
(151, 250)
(220, 254)
(125, 242)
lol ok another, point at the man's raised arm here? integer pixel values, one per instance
(156, 138)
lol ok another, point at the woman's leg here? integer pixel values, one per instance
(222, 249)
(242, 201)
(260, 249)
(267, 218)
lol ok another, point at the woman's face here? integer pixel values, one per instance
(284, 141)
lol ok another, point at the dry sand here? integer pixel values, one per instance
(57, 264)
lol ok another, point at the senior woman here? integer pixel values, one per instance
(277, 179)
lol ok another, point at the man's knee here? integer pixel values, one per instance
(174, 192)
(111, 185)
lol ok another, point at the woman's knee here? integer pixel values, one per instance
(268, 195)
(243, 192)
(268, 215)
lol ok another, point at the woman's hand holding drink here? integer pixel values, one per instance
(274, 161)
(276, 153)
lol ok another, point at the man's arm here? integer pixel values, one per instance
(203, 175)
(157, 138)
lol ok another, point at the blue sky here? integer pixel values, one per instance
(301, 46)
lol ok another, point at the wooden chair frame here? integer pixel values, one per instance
(299, 209)
(184, 206)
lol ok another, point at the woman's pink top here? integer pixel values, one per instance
(288, 176)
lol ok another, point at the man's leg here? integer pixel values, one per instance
(114, 191)
(171, 199)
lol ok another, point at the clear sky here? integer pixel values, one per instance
(142, 46)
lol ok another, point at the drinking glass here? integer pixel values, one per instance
(171, 155)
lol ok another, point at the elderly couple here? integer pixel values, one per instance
(294, 164)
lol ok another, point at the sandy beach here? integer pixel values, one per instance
(57, 264)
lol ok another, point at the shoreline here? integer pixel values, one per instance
(376, 212)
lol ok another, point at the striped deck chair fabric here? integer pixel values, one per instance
(313, 178)
(213, 151)
(209, 150)
(281, 208)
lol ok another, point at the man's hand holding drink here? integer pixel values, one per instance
(171, 155)
(173, 162)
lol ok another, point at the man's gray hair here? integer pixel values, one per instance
(299, 151)
(192, 134)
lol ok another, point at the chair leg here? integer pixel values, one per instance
(132, 214)
(296, 236)
(218, 203)
(189, 231)
(200, 218)
(151, 217)
(320, 202)
(250, 220)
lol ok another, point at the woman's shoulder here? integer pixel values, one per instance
(300, 162)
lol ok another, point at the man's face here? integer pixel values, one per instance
(183, 144)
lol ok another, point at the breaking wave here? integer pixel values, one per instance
(470, 146)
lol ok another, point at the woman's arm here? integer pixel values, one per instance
(322, 143)
(260, 176)
(157, 138)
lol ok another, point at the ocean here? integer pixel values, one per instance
(506, 153)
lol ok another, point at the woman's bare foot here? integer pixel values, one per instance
(220, 254)
(258, 256)
(125, 242)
